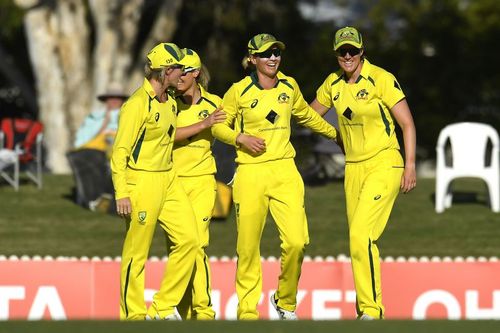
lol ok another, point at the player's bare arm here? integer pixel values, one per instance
(216, 117)
(402, 114)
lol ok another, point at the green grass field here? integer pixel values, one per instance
(253, 327)
(47, 222)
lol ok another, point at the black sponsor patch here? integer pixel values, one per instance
(348, 113)
(272, 117)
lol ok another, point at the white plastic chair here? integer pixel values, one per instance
(469, 143)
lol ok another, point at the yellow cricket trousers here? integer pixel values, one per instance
(156, 196)
(197, 301)
(278, 187)
(371, 187)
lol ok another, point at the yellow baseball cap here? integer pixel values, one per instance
(347, 35)
(191, 60)
(164, 55)
(262, 42)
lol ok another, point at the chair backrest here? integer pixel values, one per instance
(23, 132)
(469, 142)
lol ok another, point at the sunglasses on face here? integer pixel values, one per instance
(189, 70)
(269, 53)
(351, 50)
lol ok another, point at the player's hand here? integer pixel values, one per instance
(216, 117)
(251, 144)
(409, 179)
(124, 207)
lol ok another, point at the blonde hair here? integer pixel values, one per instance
(155, 74)
(203, 78)
(247, 63)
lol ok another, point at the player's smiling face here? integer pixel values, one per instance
(267, 62)
(349, 58)
(187, 79)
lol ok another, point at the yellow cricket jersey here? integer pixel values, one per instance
(193, 156)
(363, 108)
(266, 113)
(145, 136)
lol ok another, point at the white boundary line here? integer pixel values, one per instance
(339, 258)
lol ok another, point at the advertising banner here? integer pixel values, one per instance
(65, 290)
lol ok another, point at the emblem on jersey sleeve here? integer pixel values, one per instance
(336, 97)
(283, 98)
(348, 113)
(362, 94)
(157, 116)
(254, 103)
(203, 114)
(272, 117)
(396, 85)
(142, 216)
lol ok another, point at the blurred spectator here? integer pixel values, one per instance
(90, 159)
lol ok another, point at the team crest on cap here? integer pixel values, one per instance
(362, 94)
(346, 35)
(203, 114)
(283, 98)
(265, 37)
(142, 216)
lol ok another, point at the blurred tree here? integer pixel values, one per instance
(16, 91)
(442, 52)
(77, 48)
(220, 29)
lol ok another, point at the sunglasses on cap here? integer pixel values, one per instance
(177, 66)
(353, 51)
(268, 53)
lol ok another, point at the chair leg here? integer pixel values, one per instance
(448, 198)
(494, 194)
(13, 179)
(441, 189)
(36, 176)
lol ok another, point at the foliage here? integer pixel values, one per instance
(220, 30)
(443, 52)
(11, 17)
(443, 55)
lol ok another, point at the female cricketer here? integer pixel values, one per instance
(147, 190)
(366, 99)
(259, 109)
(195, 166)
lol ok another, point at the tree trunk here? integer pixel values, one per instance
(42, 30)
(162, 31)
(116, 26)
(74, 56)
(68, 77)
